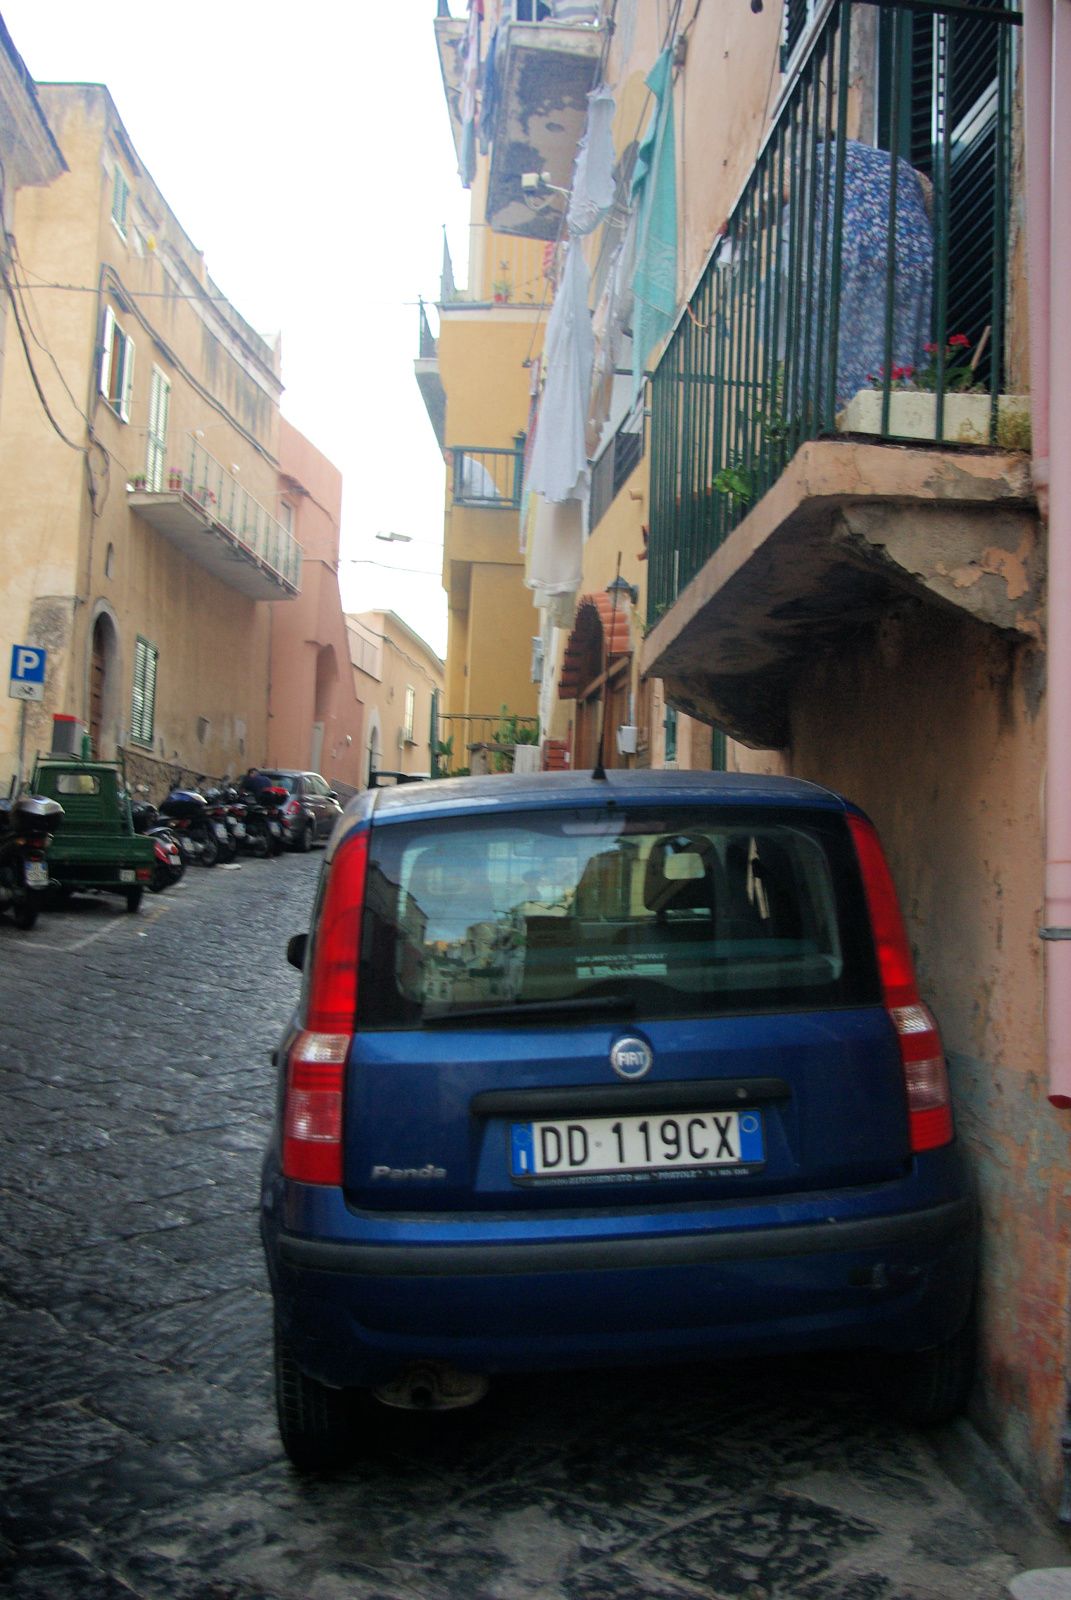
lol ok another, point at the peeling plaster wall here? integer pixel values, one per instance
(933, 726)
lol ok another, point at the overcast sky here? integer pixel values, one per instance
(306, 150)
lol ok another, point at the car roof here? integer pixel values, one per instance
(522, 791)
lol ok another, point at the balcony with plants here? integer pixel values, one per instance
(834, 421)
(202, 508)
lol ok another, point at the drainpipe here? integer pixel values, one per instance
(1047, 63)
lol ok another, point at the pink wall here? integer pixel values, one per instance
(935, 726)
(311, 680)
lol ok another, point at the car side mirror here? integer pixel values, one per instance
(295, 950)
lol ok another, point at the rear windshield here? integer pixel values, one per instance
(643, 913)
(283, 780)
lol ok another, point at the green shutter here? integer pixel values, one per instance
(143, 696)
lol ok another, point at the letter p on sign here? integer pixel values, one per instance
(27, 680)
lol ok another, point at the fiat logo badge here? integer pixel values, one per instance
(631, 1058)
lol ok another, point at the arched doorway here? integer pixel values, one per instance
(103, 688)
(595, 668)
(324, 706)
(375, 745)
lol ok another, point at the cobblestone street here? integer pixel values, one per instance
(138, 1448)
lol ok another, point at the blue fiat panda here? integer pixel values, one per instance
(606, 1070)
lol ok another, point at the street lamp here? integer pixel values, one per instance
(395, 538)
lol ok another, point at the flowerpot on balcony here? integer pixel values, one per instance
(174, 479)
(140, 483)
(913, 415)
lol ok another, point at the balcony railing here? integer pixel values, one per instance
(488, 478)
(611, 471)
(202, 508)
(458, 736)
(848, 271)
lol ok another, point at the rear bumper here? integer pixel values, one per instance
(357, 1312)
(932, 1228)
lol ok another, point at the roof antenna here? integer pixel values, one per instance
(613, 589)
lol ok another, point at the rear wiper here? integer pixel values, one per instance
(619, 1004)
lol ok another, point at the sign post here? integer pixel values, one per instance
(27, 682)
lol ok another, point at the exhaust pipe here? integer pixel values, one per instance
(433, 1386)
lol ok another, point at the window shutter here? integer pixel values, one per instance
(127, 380)
(797, 13)
(106, 350)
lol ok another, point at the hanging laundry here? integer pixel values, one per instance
(470, 78)
(654, 191)
(559, 460)
(555, 557)
(489, 91)
(592, 195)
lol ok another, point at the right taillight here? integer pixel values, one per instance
(316, 1065)
(929, 1100)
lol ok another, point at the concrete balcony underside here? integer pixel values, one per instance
(848, 531)
(194, 530)
(540, 119)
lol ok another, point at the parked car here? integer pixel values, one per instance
(97, 850)
(312, 809)
(596, 1072)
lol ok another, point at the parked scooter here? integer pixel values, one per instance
(27, 824)
(169, 864)
(263, 825)
(185, 810)
(217, 817)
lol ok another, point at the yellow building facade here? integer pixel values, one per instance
(140, 508)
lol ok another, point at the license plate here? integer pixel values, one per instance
(239, 830)
(36, 875)
(220, 829)
(693, 1139)
(127, 875)
(276, 828)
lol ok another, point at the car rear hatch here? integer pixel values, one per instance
(601, 1006)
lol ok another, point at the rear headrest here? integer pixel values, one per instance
(681, 874)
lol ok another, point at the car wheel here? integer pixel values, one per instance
(315, 1422)
(133, 898)
(304, 839)
(928, 1387)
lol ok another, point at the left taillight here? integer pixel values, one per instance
(929, 1097)
(316, 1064)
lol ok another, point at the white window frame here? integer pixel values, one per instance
(409, 725)
(120, 200)
(115, 337)
(156, 437)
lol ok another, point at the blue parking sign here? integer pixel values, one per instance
(27, 680)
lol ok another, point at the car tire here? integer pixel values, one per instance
(133, 898)
(304, 839)
(928, 1387)
(315, 1422)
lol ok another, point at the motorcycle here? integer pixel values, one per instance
(169, 864)
(218, 817)
(27, 824)
(186, 813)
(263, 825)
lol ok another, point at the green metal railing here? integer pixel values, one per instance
(204, 479)
(850, 267)
(489, 477)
